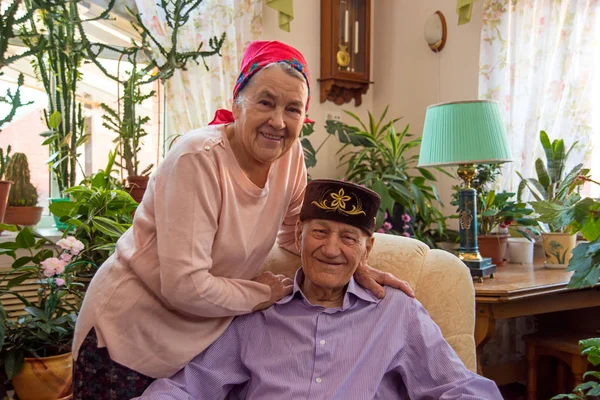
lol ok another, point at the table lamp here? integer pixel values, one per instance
(465, 133)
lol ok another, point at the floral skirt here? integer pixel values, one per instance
(97, 377)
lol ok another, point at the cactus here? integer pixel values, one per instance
(22, 193)
(4, 159)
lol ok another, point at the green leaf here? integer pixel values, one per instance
(25, 239)
(37, 313)
(387, 202)
(595, 391)
(585, 386)
(9, 227)
(586, 267)
(428, 175)
(17, 280)
(570, 396)
(542, 173)
(19, 262)
(62, 208)
(13, 363)
(108, 226)
(595, 374)
(557, 167)
(55, 120)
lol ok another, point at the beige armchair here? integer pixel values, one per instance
(442, 283)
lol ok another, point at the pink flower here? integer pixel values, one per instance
(406, 227)
(66, 257)
(381, 230)
(71, 244)
(53, 266)
(387, 226)
(406, 218)
(386, 216)
(406, 234)
(60, 281)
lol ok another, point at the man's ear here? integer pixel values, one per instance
(369, 245)
(298, 235)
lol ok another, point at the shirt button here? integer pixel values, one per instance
(318, 380)
(322, 342)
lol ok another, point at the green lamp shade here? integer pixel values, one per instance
(469, 132)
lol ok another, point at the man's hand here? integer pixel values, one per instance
(373, 280)
(280, 286)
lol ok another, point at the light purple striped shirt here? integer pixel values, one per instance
(367, 349)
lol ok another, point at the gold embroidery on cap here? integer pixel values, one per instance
(339, 204)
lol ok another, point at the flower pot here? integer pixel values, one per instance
(136, 185)
(520, 250)
(4, 189)
(26, 216)
(494, 247)
(557, 248)
(45, 378)
(61, 226)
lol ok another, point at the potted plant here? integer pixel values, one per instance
(100, 212)
(375, 155)
(129, 127)
(36, 349)
(582, 216)
(23, 198)
(167, 58)
(553, 188)
(591, 389)
(497, 217)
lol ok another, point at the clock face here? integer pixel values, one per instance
(342, 56)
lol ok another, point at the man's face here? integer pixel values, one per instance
(271, 113)
(331, 251)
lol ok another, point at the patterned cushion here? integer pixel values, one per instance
(442, 283)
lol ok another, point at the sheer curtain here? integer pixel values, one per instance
(540, 60)
(192, 96)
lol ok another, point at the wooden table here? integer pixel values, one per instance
(525, 289)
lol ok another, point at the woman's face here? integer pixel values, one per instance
(269, 117)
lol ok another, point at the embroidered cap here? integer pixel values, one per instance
(342, 202)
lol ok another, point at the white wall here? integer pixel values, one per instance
(305, 35)
(407, 74)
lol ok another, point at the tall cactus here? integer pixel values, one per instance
(22, 193)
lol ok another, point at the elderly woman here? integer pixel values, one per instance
(210, 215)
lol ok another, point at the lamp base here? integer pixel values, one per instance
(481, 268)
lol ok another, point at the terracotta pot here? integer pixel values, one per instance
(4, 190)
(26, 216)
(46, 378)
(493, 246)
(136, 185)
(557, 248)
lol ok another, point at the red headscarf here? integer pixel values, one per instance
(258, 55)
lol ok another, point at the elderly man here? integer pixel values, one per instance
(330, 338)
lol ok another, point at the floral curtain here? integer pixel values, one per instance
(540, 60)
(192, 96)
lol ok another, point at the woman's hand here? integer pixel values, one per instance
(373, 280)
(280, 286)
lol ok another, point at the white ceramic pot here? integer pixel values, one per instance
(520, 251)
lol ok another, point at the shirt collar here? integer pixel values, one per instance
(353, 289)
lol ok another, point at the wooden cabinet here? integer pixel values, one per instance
(345, 50)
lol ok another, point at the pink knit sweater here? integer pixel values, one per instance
(183, 270)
